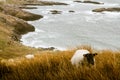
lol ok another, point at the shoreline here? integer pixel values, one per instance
(13, 24)
(18, 18)
(15, 10)
(13, 17)
(21, 62)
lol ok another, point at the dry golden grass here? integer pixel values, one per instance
(19, 1)
(10, 48)
(15, 1)
(56, 66)
(52, 65)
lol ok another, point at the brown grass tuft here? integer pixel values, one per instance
(57, 66)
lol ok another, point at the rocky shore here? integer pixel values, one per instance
(114, 9)
(19, 13)
(91, 2)
(44, 3)
(17, 18)
(13, 24)
(13, 15)
(55, 12)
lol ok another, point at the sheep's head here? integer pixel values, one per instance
(90, 58)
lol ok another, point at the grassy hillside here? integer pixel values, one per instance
(51, 65)
(48, 65)
(57, 66)
(10, 48)
(19, 1)
(11, 29)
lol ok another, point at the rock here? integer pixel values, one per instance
(17, 12)
(26, 7)
(15, 37)
(71, 11)
(49, 48)
(20, 26)
(99, 10)
(93, 2)
(55, 12)
(78, 1)
(44, 3)
(107, 9)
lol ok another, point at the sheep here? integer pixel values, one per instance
(82, 56)
(29, 56)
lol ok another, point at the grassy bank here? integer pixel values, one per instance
(57, 66)
(9, 48)
(49, 65)
(12, 26)
(11, 29)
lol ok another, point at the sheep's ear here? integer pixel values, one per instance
(95, 54)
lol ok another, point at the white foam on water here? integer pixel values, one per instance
(112, 14)
(88, 12)
(111, 4)
(44, 12)
(39, 44)
(54, 30)
(39, 30)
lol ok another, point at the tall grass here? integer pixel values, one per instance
(10, 48)
(52, 65)
(57, 66)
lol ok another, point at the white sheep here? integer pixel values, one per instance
(82, 56)
(29, 56)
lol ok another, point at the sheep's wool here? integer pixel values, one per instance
(78, 56)
(29, 56)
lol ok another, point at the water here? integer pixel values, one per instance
(83, 27)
